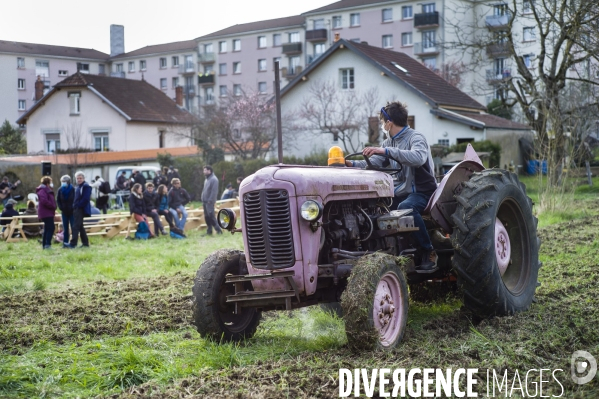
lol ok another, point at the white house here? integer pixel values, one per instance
(104, 113)
(439, 110)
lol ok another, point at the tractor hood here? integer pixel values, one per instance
(324, 182)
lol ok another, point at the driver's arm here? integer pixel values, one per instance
(374, 160)
(416, 156)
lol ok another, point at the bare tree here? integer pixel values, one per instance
(564, 34)
(342, 114)
(77, 146)
(453, 72)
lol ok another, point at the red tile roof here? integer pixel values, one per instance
(137, 99)
(295, 20)
(103, 158)
(186, 45)
(49, 50)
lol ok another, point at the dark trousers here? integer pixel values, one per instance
(48, 231)
(102, 203)
(417, 202)
(78, 228)
(168, 216)
(157, 223)
(67, 226)
(210, 218)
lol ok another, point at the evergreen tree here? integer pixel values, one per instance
(12, 141)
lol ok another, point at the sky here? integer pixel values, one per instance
(77, 23)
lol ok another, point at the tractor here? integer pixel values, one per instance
(327, 235)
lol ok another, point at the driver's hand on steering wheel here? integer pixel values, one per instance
(370, 151)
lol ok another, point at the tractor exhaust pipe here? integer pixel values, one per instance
(278, 105)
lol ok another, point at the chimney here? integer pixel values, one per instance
(337, 37)
(179, 95)
(117, 40)
(39, 88)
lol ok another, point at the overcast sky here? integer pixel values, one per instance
(77, 23)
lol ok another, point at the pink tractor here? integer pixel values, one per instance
(326, 235)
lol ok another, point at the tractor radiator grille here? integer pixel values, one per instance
(268, 229)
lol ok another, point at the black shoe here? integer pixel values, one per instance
(219, 232)
(68, 246)
(84, 245)
(429, 260)
(163, 232)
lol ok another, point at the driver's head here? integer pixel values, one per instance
(395, 112)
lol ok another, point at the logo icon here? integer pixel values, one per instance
(583, 367)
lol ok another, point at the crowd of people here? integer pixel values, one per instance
(163, 196)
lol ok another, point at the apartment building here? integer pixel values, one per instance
(22, 63)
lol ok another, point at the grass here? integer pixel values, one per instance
(115, 319)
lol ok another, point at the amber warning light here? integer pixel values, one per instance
(336, 157)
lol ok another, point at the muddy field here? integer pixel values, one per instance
(564, 319)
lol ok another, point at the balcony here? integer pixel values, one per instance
(426, 49)
(207, 78)
(290, 73)
(189, 91)
(206, 58)
(310, 58)
(292, 48)
(188, 69)
(498, 21)
(317, 35)
(496, 50)
(426, 20)
(498, 75)
(117, 74)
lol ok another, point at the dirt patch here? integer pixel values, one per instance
(136, 306)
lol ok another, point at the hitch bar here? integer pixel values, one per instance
(242, 295)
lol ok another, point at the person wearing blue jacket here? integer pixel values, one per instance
(81, 209)
(64, 200)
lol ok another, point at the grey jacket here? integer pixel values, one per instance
(410, 148)
(210, 191)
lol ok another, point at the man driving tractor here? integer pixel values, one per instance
(415, 183)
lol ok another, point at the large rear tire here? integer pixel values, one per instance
(496, 245)
(375, 303)
(214, 318)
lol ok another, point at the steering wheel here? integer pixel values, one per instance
(370, 166)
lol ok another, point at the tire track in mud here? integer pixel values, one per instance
(135, 306)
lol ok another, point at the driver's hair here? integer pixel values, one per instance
(397, 112)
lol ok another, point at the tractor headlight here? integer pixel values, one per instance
(311, 210)
(226, 219)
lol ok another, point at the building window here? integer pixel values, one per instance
(163, 83)
(236, 134)
(500, 9)
(387, 14)
(208, 48)
(318, 23)
(346, 78)
(208, 69)
(262, 65)
(162, 62)
(52, 143)
(261, 41)
(75, 103)
(222, 69)
(237, 90)
(175, 82)
(42, 68)
(428, 8)
(406, 39)
(118, 68)
(22, 105)
(20, 62)
(428, 40)
(319, 48)
(527, 58)
(406, 12)
(262, 87)
(175, 60)
(236, 44)
(82, 67)
(21, 84)
(131, 66)
(444, 142)
(63, 72)
(430, 63)
(142, 65)
(529, 34)
(222, 91)
(222, 47)
(501, 70)
(101, 142)
(209, 94)
(188, 62)
(336, 21)
(294, 63)
(101, 69)
(387, 41)
(294, 37)
(527, 6)
(354, 19)
(237, 67)
(161, 138)
(276, 40)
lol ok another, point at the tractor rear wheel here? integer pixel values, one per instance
(214, 318)
(496, 245)
(375, 303)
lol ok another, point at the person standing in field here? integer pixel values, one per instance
(209, 197)
(81, 209)
(46, 209)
